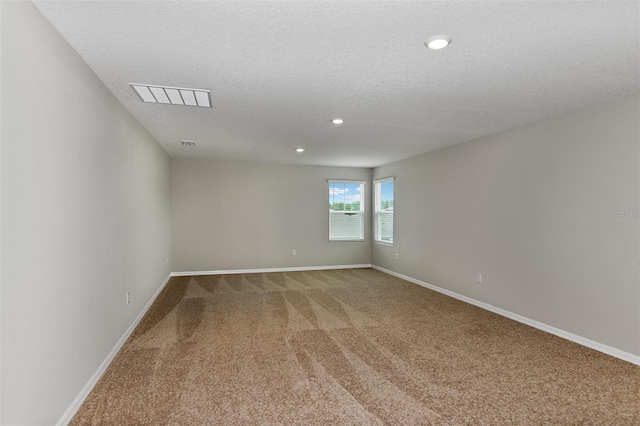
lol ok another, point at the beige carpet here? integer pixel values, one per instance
(349, 346)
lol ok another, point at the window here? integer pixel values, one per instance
(346, 210)
(383, 210)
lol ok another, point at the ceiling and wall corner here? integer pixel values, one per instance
(278, 75)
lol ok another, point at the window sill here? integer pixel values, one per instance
(384, 243)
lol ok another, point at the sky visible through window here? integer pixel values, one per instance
(386, 193)
(344, 196)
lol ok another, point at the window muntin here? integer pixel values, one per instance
(346, 210)
(383, 210)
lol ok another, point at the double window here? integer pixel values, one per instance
(383, 210)
(346, 210)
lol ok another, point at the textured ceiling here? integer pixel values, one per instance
(280, 71)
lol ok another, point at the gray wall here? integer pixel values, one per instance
(85, 218)
(527, 208)
(241, 215)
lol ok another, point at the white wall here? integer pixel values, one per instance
(238, 215)
(85, 218)
(527, 208)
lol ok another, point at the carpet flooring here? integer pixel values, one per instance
(353, 346)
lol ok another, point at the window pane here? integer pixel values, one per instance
(345, 196)
(386, 199)
(386, 226)
(345, 226)
(383, 215)
(346, 207)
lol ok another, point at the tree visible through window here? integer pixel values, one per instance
(346, 210)
(383, 210)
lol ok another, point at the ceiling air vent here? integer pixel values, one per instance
(188, 143)
(172, 95)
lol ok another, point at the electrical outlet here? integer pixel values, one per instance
(396, 256)
(293, 252)
(128, 298)
(478, 277)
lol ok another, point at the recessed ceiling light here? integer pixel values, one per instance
(299, 149)
(188, 143)
(438, 42)
(337, 121)
(153, 94)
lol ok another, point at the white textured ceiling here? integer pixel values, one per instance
(280, 71)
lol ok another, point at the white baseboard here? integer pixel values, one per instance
(265, 270)
(75, 405)
(617, 353)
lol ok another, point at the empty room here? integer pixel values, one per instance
(314, 212)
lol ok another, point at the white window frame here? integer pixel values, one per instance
(377, 187)
(361, 212)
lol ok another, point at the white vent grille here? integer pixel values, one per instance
(188, 143)
(172, 95)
